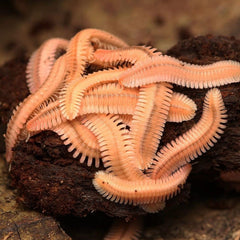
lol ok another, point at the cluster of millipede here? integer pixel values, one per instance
(110, 101)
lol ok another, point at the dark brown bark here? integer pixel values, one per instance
(50, 180)
(17, 223)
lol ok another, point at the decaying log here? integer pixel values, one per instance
(50, 180)
(18, 223)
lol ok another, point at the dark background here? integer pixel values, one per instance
(25, 24)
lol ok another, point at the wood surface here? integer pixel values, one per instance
(50, 180)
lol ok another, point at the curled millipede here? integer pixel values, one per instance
(125, 230)
(81, 48)
(46, 117)
(195, 141)
(149, 120)
(145, 191)
(181, 109)
(81, 140)
(167, 69)
(27, 107)
(41, 62)
(116, 57)
(72, 94)
(107, 98)
(115, 145)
